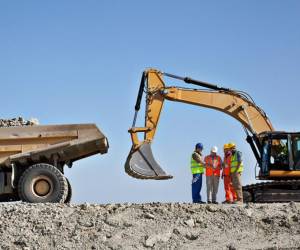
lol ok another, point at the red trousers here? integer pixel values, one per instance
(230, 194)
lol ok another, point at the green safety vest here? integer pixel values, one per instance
(196, 168)
(234, 164)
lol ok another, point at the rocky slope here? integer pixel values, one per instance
(149, 226)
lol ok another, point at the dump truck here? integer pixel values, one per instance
(277, 153)
(33, 158)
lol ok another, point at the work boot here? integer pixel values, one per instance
(215, 202)
(226, 202)
(209, 202)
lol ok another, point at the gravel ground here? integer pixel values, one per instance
(149, 226)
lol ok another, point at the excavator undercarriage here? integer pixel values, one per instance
(272, 191)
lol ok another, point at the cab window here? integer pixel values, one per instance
(279, 157)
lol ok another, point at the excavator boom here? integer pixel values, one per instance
(140, 162)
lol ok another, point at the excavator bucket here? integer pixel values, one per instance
(141, 164)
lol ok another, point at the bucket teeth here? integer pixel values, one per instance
(141, 164)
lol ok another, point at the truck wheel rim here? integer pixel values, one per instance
(42, 186)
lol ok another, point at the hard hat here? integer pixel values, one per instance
(199, 145)
(214, 149)
(225, 146)
(231, 145)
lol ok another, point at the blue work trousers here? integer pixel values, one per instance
(196, 188)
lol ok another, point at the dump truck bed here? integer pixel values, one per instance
(55, 143)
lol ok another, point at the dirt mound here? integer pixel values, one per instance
(16, 122)
(146, 226)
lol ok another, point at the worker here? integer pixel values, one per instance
(236, 170)
(213, 164)
(230, 194)
(197, 168)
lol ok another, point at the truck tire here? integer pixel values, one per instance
(69, 196)
(42, 183)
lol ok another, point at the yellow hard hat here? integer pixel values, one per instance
(225, 146)
(231, 145)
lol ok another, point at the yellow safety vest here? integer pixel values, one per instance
(234, 164)
(196, 168)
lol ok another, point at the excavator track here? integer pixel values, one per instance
(273, 191)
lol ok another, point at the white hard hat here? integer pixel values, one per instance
(214, 149)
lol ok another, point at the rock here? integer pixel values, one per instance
(293, 206)
(285, 223)
(21, 242)
(249, 212)
(191, 236)
(212, 208)
(150, 241)
(153, 239)
(127, 224)
(231, 247)
(190, 223)
(176, 231)
(267, 220)
(149, 216)
(294, 218)
(84, 206)
(85, 223)
(103, 238)
(16, 122)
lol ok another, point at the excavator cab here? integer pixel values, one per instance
(280, 155)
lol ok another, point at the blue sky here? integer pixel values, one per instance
(81, 61)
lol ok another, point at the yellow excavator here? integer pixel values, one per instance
(277, 153)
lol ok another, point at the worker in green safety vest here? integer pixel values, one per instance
(236, 170)
(197, 169)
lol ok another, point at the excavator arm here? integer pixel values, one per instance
(141, 163)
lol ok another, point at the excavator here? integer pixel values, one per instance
(277, 153)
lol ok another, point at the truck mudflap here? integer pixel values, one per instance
(141, 164)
